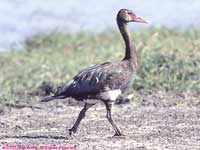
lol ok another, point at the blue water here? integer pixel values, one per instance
(20, 19)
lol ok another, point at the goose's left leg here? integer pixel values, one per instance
(108, 105)
(80, 117)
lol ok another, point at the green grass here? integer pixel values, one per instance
(168, 59)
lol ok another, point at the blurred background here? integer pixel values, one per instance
(20, 19)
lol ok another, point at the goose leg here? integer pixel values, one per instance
(109, 117)
(80, 117)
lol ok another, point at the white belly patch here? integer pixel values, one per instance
(91, 101)
(111, 95)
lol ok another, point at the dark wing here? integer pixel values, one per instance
(91, 80)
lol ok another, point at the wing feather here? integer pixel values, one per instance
(93, 80)
(88, 81)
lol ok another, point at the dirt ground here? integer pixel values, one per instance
(152, 121)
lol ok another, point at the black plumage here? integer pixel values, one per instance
(90, 82)
(104, 82)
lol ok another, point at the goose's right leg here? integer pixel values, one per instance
(109, 117)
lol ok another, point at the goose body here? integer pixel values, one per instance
(96, 81)
(104, 82)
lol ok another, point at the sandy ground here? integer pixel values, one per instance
(150, 122)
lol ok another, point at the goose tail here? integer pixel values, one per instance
(47, 99)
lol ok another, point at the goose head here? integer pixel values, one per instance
(125, 15)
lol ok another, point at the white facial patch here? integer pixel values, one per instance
(111, 95)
